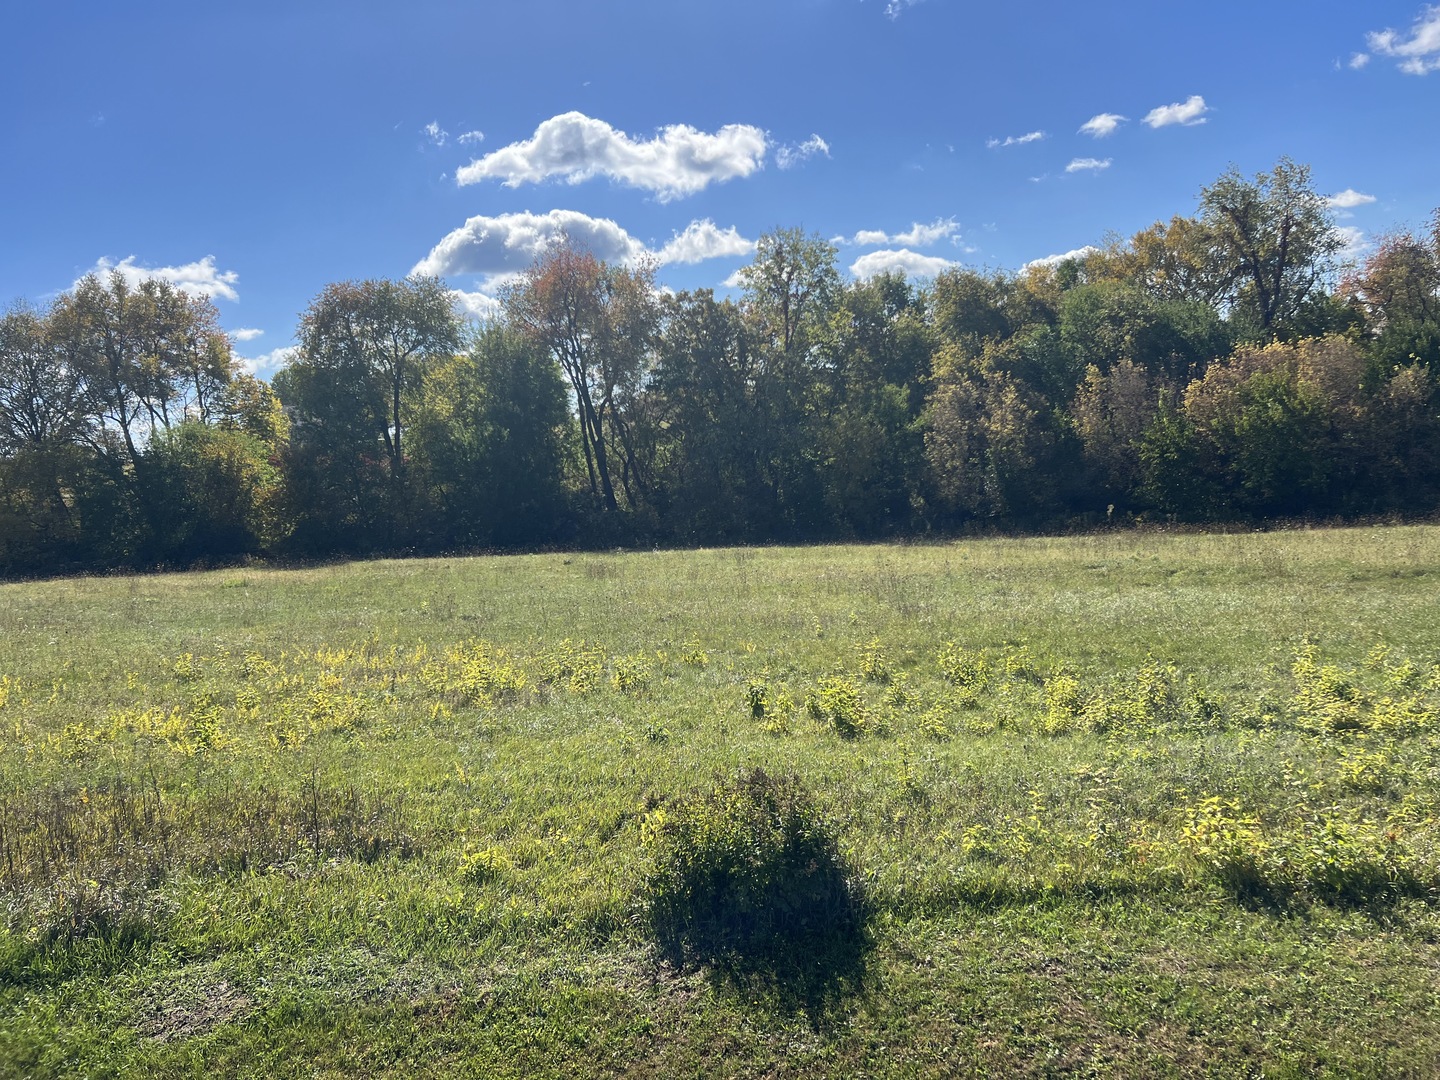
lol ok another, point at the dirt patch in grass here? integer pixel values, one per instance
(187, 1009)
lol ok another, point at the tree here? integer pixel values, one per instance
(146, 357)
(790, 290)
(490, 431)
(987, 441)
(712, 483)
(599, 323)
(1282, 424)
(1172, 340)
(351, 392)
(789, 286)
(1397, 293)
(381, 334)
(877, 350)
(1112, 412)
(39, 390)
(1275, 236)
(1179, 260)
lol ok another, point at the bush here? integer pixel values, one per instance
(749, 867)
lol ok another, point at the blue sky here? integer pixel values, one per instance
(261, 150)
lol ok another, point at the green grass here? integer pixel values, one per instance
(1132, 804)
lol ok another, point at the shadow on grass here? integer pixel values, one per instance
(750, 885)
(810, 960)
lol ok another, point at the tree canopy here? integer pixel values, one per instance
(1218, 366)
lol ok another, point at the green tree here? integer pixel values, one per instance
(714, 485)
(876, 354)
(364, 349)
(381, 335)
(1275, 238)
(490, 430)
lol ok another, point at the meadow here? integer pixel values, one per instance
(1135, 803)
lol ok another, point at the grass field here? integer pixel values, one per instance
(1131, 804)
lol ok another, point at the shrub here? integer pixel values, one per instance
(630, 674)
(874, 664)
(837, 701)
(748, 867)
(963, 667)
(1229, 844)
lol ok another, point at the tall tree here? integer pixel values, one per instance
(599, 322)
(381, 334)
(491, 433)
(147, 357)
(1275, 234)
(1396, 290)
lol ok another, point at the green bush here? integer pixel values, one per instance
(748, 867)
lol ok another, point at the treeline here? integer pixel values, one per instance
(1215, 367)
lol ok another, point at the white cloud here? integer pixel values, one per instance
(266, 364)
(505, 245)
(1056, 260)
(474, 305)
(246, 335)
(734, 281)
(1419, 54)
(1088, 164)
(1353, 244)
(788, 157)
(196, 278)
(1359, 60)
(704, 240)
(498, 249)
(918, 235)
(1102, 125)
(471, 137)
(435, 133)
(1348, 200)
(679, 161)
(903, 261)
(1188, 112)
(1015, 140)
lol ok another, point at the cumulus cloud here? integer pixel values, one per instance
(903, 261)
(246, 335)
(201, 278)
(1348, 199)
(787, 157)
(1015, 140)
(1102, 125)
(435, 133)
(703, 240)
(1353, 244)
(1087, 164)
(505, 245)
(1359, 60)
(266, 364)
(1419, 53)
(918, 235)
(497, 249)
(678, 161)
(471, 137)
(1189, 112)
(474, 305)
(1064, 256)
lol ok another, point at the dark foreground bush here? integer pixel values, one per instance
(750, 870)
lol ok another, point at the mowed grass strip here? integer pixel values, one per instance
(1136, 803)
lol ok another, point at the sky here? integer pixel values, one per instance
(258, 151)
